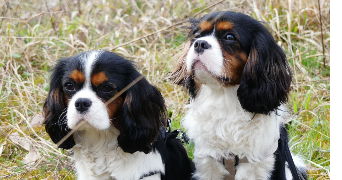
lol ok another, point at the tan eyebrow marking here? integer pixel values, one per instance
(206, 26)
(77, 76)
(224, 26)
(99, 78)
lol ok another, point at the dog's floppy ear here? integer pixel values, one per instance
(143, 113)
(179, 74)
(266, 78)
(55, 109)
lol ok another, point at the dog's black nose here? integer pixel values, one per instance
(201, 45)
(82, 104)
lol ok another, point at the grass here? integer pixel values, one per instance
(33, 34)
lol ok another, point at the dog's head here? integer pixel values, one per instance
(229, 48)
(81, 85)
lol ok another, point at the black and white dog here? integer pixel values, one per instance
(124, 140)
(238, 78)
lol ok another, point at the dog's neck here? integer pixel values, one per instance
(221, 101)
(98, 155)
(97, 140)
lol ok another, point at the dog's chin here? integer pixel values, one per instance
(85, 125)
(205, 76)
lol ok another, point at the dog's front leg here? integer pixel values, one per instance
(209, 168)
(257, 170)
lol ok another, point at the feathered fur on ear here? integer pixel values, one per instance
(266, 78)
(55, 109)
(143, 113)
(179, 74)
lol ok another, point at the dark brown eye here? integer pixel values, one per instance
(69, 86)
(107, 89)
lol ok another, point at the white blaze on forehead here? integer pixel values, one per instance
(212, 58)
(89, 60)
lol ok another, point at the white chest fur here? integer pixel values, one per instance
(219, 126)
(98, 156)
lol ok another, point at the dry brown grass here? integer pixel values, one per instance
(33, 34)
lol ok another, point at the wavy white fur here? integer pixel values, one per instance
(98, 156)
(219, 126)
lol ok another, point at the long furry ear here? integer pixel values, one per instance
(55, 109)
(179, 74)
(143, 113)
(266, 78)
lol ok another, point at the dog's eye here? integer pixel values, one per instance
(230, 37)
(107, 89)
(69, 86)
(197, 35)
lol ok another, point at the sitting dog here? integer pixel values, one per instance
(238, 78)
(124, 140)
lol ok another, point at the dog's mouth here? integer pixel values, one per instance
(198, 65)
(80, 121)
(82, 124)
(198, 68)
